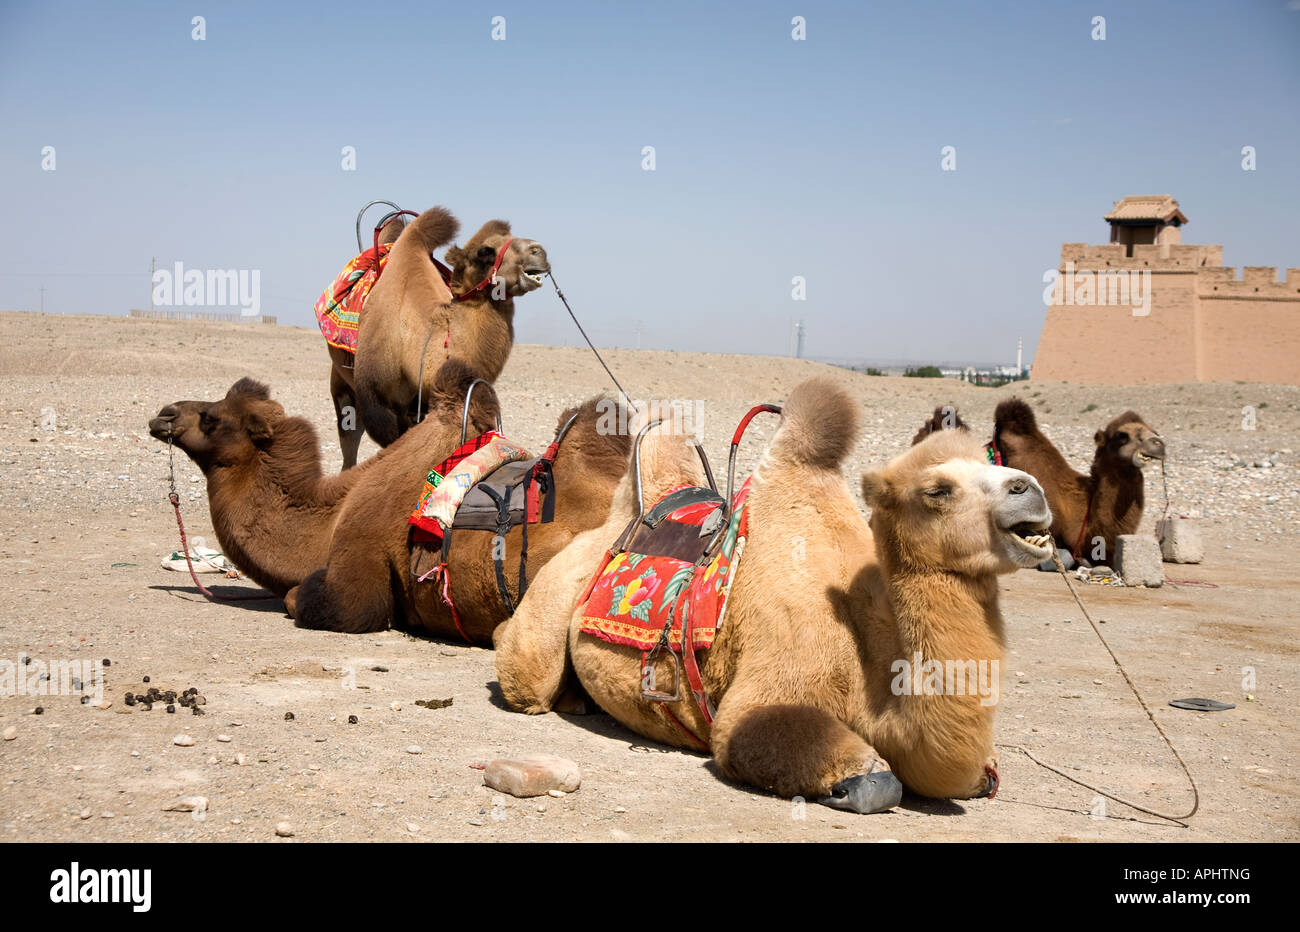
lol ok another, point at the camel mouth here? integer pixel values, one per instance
(535, 275)
(1142, 460)
(1034, 539)
(163, 429)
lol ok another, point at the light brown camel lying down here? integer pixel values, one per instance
(1109, 498)
(282, 522)
(822, 617)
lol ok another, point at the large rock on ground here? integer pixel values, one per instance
(1137, 557)
(533, 775)
(1180, 540)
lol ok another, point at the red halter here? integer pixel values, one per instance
(442, 269)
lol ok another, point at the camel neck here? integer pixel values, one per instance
(947, 616)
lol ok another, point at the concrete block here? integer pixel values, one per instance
(1137, 558)
(1180, 540)
(533, 775)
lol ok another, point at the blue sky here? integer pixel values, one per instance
(774, 158)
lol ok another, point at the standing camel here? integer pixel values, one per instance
(413, 320)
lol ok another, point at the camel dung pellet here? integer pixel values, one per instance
(352, 719)
(38, 711)
(171, 709)
(145, 679)
(288, 716)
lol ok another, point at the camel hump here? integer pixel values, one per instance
(434, 228)
(1016, 415)
(819, 425)
(945, 417)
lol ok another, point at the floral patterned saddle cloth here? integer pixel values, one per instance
(673, 575)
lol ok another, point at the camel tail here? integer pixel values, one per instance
(434, 228)
(1016, 415)
(819, 426)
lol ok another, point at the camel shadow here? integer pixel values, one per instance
(597, 722)
(271, 603)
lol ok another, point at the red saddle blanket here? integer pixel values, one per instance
(338, 309)
(637, 595)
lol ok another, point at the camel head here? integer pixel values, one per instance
(521, 268)
(1128, 443)
(942, 507)
(229, 432)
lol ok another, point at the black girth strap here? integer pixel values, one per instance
(499, 545)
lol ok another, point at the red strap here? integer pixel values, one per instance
(688, 653)
(1083, 529)
(744, 421)
(446, 273)
(586, 593)
(446, 598)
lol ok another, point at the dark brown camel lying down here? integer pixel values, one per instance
(338, 547)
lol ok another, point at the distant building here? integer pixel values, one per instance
(231, 317)
(1147, 308)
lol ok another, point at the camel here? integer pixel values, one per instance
(338, 548)
(1110, 497)
(805, 672)
(1089, 512)
(411, 322)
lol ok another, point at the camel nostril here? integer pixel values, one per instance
(1019, 487)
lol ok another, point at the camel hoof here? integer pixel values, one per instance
(866, 793)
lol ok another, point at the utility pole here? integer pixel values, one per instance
(152, 264)
(799, 331)
(42, 299)
(1020, 347)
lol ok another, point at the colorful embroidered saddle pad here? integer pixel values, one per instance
(448, 486)
(338, 309)
(660, 581)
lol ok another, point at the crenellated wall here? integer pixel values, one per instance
(1203, 322)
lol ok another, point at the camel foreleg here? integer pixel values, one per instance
(532, 655)
(799, 750)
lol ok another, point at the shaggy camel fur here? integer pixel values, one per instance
(1110, 497)
(342, 363)
(945, 417)
(410, 316)
(805, 671)
(276, 514)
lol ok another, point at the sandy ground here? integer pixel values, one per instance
(84, 523)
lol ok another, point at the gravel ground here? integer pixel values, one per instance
(84, 524)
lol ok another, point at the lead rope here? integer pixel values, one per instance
(174, 497)
(599, 358)
(1196, 798)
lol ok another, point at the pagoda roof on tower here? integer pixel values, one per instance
(1146, 209)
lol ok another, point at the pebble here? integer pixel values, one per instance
(11, 732)
(556, 794)
(396, 707)
(412, 827)
(240, 759)
(224, 739)
(284, 829)
(106, 815)
(84, 814)
(413, 749)
(188, 804)
(183, 741)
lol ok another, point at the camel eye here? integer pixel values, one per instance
(486, 254)
(938, 492)
(1122, 437)
(207, 423)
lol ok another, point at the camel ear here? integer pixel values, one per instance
(455, 256)
(1099, 438)
(258, 427)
